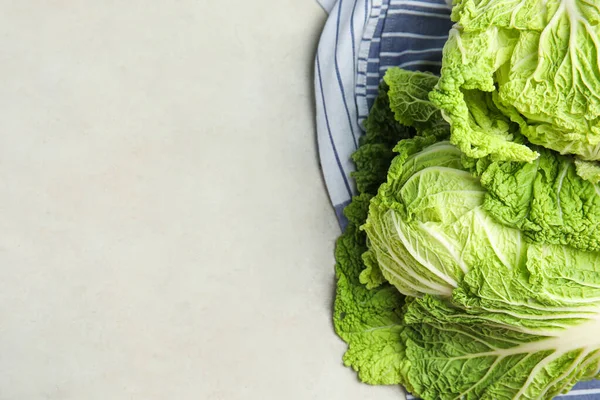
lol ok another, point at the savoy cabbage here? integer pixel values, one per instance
(443, 286)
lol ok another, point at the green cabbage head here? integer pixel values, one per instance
(494, 314)
(537, 65)
(462, 277)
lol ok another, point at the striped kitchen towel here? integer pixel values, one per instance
(361, 39)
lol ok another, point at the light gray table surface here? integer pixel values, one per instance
(165, 231)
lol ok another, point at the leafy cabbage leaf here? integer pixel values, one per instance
(547, 200)
(453, 358)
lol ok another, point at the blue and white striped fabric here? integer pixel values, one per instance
(327, 4)
(361, 39)
(337, 105)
